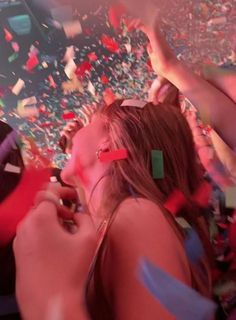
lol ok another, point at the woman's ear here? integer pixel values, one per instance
(104, 146)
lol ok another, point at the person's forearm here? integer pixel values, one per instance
(69, 307)
(215, 107)
(223, 79)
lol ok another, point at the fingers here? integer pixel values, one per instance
(64, 193)
(48, 196)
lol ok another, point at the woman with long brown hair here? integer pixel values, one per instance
(126, 204)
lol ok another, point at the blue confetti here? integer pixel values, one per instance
(193, 246)
(180, 300)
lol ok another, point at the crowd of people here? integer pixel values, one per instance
(75, 253)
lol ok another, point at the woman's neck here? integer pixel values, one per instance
(94, 192)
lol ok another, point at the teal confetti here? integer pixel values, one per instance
(13, 57)
(2, 104)
(157, 164)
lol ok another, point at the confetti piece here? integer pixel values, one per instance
(92, 56)
(110, 44)
(13, 57)
(104, 79)
(20, 84)
(134, 103)
(52, 82)
(175, 202)
(83, 68)
(33, 51)
(69, 116)
(119, 154)
(72, 28)
(216, 21)
(230, 197)
(44, 64)
(91, 88)
(193, 246)
(202, 195)
(157, 164)
(128, 47)
(70, 69)
(15, 46)
(8, 35)
(13, 169)
(181, 301)
(31, 182)
(32, 63)
(109, 96)
(69, 54)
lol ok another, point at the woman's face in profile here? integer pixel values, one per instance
(86, 143)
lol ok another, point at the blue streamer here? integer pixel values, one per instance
(180, 300)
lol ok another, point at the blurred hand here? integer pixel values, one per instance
(59, 195)
(51, 263)
(207, 154)
(162, 91)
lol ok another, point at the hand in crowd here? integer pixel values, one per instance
(206, 152)
(162, 91)
(53, 260)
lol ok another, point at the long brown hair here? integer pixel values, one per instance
(155, 127)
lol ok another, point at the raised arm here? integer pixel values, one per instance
(214, 106)
(222, 78)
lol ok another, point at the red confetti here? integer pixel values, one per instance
(18, 204)
(119, 154)
(52, 82)
(202, 195)
(69, 116)
(175, 202)
(110, 44)
(8, 35)
(104, 79)
(114, 15)
(15, 46)
(83, 68)
(92, 56)
(109, 96)
(32, 62)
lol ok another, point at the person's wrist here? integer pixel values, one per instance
(74, 305)
(69, 304)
